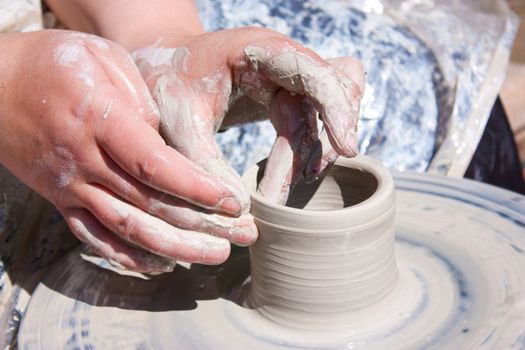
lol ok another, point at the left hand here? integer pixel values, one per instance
(199, 80)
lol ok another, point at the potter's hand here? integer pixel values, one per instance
(198, 80)
(78, 124)
(300, 151)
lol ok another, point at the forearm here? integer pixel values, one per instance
(18, 56)
(131, 23)
(10, 46)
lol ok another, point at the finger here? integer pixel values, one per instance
(335, 96)
(276, 181)
(321, 158)
(86, 228)
(257, 88)
(324, 155)
(353, 68)
(192, 134)
(241, 230)
(133, 225)
(296, 137)
(138, 149)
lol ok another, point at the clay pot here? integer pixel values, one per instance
(328, 255)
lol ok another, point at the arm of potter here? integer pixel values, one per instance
(72, 110)
(132, 24)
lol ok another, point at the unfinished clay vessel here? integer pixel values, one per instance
(327, 257)
(458, 282)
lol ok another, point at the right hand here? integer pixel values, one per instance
(78, 125)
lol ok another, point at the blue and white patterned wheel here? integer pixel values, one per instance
(461, 253)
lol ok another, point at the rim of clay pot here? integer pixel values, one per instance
(371, 209)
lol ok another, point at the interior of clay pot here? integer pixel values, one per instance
(341, 187)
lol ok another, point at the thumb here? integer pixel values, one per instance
(190, 129)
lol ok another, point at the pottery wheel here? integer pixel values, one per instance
(460, 246)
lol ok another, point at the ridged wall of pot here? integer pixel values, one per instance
(327, 256)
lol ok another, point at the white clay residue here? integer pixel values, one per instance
(186, 122)
(152, 106)
(162, 56)
(324, 266)
(156, 231)
(59, 164)
(73, 55)
(107, 111)
(333, 94)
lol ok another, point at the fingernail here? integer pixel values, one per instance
(244, 235)
(231, 206)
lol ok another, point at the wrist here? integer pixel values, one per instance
(161, 37)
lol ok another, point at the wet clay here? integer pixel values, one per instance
(329, 253)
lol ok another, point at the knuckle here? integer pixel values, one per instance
(147, 169)
(126, 226)
(190, 221)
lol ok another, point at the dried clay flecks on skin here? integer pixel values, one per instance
(95, 40)
(211, 83)
(162, 65)
(67, 170)
(238, 230)
(100, 43)
(66, 176)
(162, 56)
(73, 55)
(60, 163)
(330, 92)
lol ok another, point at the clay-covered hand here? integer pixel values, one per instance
(300, 151)
(234, 76)
(78, 124)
